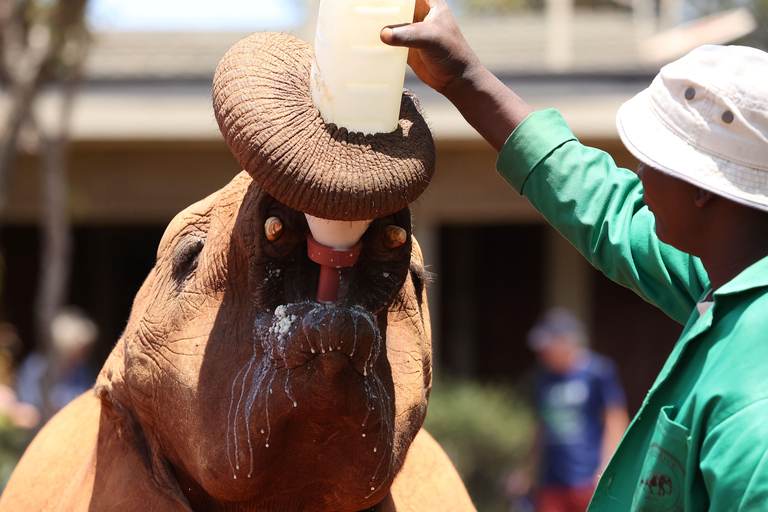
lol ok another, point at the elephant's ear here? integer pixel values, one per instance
(111, 387)
(116, 405)
(114, 391)
(263, 104)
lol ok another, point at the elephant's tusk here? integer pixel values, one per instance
(394, 236)
(273, 228)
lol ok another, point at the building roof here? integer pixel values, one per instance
(602, 42)
(156, 86)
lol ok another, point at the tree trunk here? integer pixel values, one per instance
(33, 35)
(56, 235)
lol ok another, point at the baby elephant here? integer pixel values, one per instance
(233, 389)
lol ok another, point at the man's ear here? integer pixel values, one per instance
(702, 197)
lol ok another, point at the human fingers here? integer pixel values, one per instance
(424, 31)
(428, 58)
(411, 35)
(438, 52)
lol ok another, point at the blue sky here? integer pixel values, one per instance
(194, 14)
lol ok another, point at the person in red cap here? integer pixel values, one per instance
(688, 233)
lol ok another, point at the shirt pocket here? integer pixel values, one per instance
(660, 487)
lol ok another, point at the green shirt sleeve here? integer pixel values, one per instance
(599, 208)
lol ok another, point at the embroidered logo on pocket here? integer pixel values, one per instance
(661, 481)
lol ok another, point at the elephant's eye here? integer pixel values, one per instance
(187, 254)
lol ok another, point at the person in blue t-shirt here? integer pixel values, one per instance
(582, 415)
(49, 387)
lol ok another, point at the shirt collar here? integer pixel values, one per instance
(754, 276)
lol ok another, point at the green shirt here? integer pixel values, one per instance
(700, 439)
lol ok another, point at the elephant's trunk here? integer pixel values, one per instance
(263, 104)
(264, 108)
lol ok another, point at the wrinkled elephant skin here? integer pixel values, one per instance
(231, 389)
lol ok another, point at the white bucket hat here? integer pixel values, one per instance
(704, 119)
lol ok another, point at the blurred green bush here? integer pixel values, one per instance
(13, 441)
(485, 428)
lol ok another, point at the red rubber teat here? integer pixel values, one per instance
(331, 262)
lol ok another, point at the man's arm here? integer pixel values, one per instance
(596, 206)
(599, 208)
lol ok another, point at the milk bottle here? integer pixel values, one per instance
(357, 80)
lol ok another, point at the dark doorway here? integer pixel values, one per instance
(491, 293)
(109, 264)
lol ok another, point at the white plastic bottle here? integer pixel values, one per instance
(357, 81)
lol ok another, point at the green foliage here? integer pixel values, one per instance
(758, 38)
(693, 9)
(485, 428)
(13, 441)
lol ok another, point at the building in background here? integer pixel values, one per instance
(146, 145)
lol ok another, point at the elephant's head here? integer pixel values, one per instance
(236, 386)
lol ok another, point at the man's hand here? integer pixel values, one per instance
(438, 52)
(442, 59)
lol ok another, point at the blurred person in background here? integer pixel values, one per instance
(16, 418)
(13, 413)
(73, 335)
(581, 413)
(18, 414)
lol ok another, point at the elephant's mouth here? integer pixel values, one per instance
(316, 370)
(301, 333)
